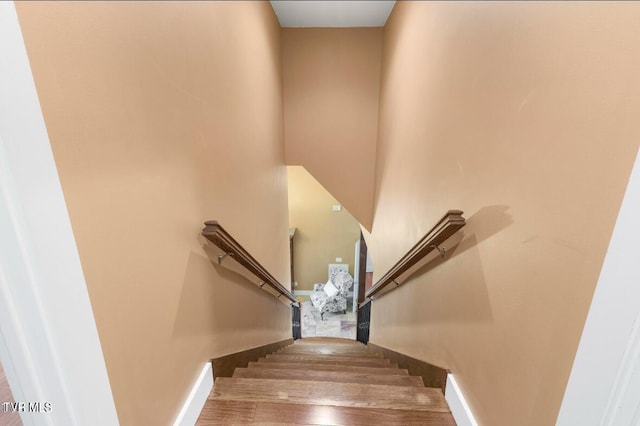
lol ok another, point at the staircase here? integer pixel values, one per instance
(324, 381)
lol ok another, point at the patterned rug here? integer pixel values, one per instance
(333, 325)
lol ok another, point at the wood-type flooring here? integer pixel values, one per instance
(324, 381)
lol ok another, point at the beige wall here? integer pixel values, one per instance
(525, 116)
(163, 115)
(321, 233)
(331, 87)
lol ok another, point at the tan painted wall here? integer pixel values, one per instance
(162, 115)
(525, 116)
(321, 233)
(331, 87)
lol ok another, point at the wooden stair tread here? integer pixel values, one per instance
(328, 350)
(328, 340)
(328, 376)
(329, 367)
(329, 393)
(324, 381)
(345, 345)
(328, 359)
(217, 412)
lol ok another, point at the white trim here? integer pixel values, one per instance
(604, 383)
(356, 277)
(197, 398)
(50, 346)
(457, 403)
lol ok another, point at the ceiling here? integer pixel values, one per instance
(306, 13)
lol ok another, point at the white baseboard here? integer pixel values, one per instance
(458, 405)
(197, 397)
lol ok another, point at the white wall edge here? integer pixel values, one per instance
(49, 342)
(458, 404)
(194, 403)
(604, 383)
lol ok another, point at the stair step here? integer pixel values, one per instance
(328, 341)
(217, 412)
(328, 359)
(329, 393)
(328, 350)
(328, 376)
(328, 367)
(350, 345)
(303, 343)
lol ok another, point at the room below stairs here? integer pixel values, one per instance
(324, 381)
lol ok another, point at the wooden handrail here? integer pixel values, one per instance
(446, 227)
(364, 303)
(215, 233)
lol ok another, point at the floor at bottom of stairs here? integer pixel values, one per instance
(324, 381)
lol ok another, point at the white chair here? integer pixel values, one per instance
(332, 296)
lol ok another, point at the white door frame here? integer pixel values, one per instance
(604, 385)
(49, 343)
